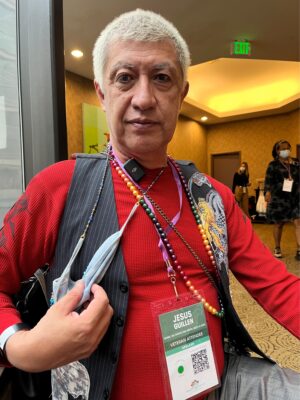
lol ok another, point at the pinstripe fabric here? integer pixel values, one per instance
(82, 195)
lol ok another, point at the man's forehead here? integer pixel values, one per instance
(127, 49)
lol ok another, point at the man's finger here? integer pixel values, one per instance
(71, 300)
(98, 305)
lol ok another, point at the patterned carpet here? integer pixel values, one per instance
(274, 340)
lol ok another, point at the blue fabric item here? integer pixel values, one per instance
(96, 268)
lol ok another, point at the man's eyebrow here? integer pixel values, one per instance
(167, 66)
(131, 67)
(163, 66)
(120, 65)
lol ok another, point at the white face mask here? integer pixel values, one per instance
(284, 153)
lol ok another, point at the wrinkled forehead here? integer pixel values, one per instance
(130, 52)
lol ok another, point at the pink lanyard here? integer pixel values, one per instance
(175, 219)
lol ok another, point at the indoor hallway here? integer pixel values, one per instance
(274, 340)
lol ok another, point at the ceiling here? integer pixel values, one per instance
(223, 87)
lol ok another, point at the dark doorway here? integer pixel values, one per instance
(224, 165)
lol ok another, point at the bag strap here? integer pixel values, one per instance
(40, 276)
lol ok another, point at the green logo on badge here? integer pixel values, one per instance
(180, 369)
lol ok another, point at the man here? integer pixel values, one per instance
(170, 247)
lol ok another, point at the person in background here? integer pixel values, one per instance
(177, 244)
(240, 187)
(282, 193)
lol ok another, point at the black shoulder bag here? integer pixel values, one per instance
(32, 303)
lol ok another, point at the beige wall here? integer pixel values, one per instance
(254, 138)
(189, 143)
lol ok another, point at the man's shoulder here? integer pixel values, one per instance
(55, 175)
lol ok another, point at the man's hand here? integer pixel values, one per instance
(62, 335)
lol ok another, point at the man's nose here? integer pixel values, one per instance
(143, 96)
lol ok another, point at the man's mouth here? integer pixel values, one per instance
(142, 122)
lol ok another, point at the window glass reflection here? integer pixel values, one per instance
(11, 175)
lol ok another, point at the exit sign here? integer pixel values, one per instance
(241, 47)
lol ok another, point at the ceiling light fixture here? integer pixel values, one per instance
(77, 53)
(204, 118)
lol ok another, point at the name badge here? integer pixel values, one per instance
(187, 357)
(244, 189)
(287, 185)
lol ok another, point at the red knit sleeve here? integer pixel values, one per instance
(28, 236)
(253, 264)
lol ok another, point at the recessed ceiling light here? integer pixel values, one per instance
(77, 53)
(204, 118)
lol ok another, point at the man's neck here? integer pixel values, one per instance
(149, 161)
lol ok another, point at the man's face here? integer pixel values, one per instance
(142, 93)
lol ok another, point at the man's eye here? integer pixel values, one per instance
(162, 78)
(123, 78)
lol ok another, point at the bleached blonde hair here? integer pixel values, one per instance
(139, 25)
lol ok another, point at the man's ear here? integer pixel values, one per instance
(185, 91)
(100, 94)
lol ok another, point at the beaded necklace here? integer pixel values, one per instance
(172, 263)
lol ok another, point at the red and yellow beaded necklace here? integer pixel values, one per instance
(144, 200)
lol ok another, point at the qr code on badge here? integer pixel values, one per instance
(200, 361)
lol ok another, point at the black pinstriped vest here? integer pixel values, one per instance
(102, 365)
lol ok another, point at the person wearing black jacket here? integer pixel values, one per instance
(282, 193)
(240, 187)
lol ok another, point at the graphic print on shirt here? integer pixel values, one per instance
(71, 379)
(20, 206)
(2, 237)
(211, 211)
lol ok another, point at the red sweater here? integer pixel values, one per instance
(28, 240)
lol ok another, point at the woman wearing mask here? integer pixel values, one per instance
(282, 193)
(240, 187)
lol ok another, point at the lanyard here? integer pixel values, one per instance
(175, 219)
(288, 168)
